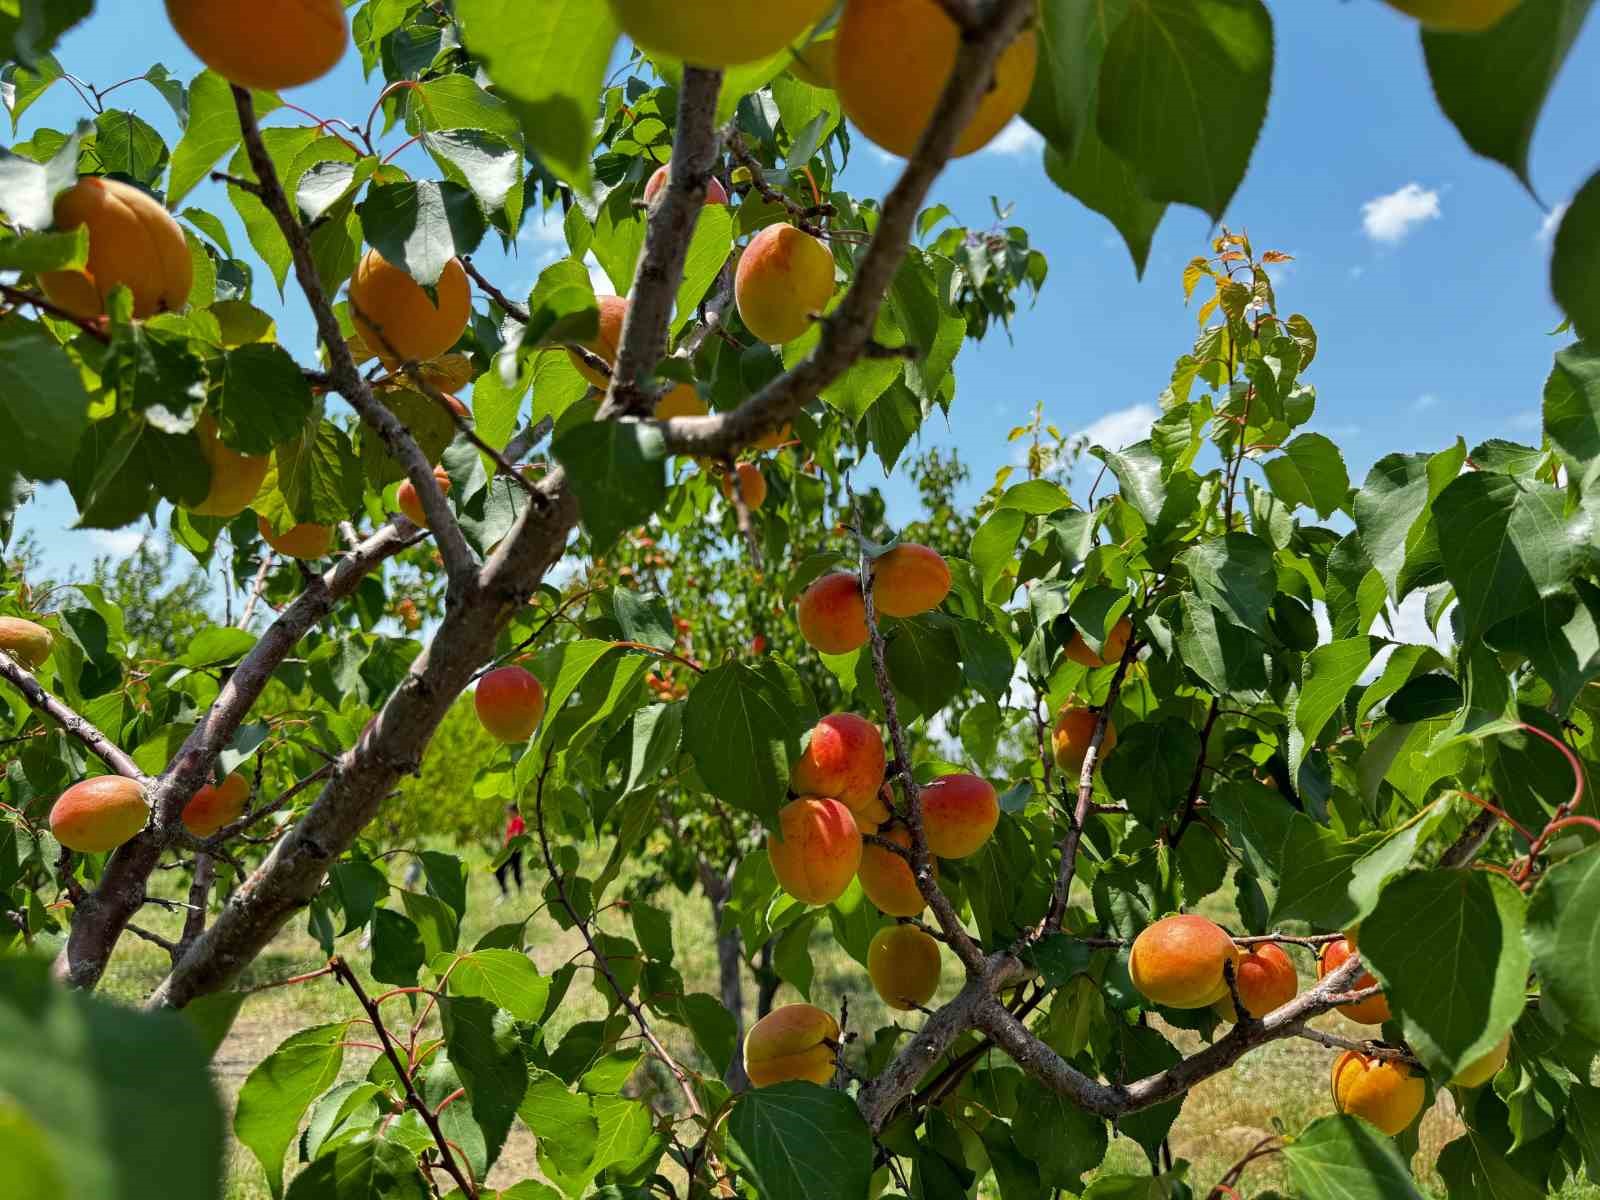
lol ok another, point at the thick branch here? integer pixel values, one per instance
(80, 728)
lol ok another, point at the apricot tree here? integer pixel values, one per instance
(1017, 766)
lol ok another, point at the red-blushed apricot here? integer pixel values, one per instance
(844, 759)
(510, 703)
(306, 540)
(715, 192)
(959, 813)
(98, 814)
(903, 964)
(891, 63)
(411, 504)
(1382, 1091)
(235, 478)
(1374, 1010)
(1480, 1071)
(908, 580)
(1460, 16)
(1072, 734)
(791, 1043)
(815, 850)
(752, 485)
(832, 614)
(1116, 642)
(613, 310)
(385, 300)
(263, 44)
(1266, 979)
(682, 401)
(717, 33)
(785, 276)
(886, 877)
(216, 805)
(1177, 961)
(133, 241)
(25, 641)
(815, 63)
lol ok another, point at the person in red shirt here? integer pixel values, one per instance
(515, 828)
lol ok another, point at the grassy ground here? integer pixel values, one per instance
(1221, 1118)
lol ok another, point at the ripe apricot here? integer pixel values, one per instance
(1177, 961)
(832, 614)
(612, 311)
(886, 877)
(717, 33)
(411, 504)
(893, 60)
(216, 805)
(872, 812)
(657, 183)
(903, 963)
(306, 540)
(1480, 1071)
(1116, 642)
(1073, 731)
(752, 485)
(785, 276)
(1374, 1010)
(959, 813)
(815, 850)
(682, 401)
(1378, 1090)
(1266, 979)
(386, 301)
(844, 759)
(1463, 16)
(791, 1043)
(98, 814)
(263, 44)
(510, 703)
(24, 641)
(908, 580)
(133, 242)
(777, 439)
(235, 478)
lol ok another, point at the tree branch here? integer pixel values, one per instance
(78, 727)
(1193, 793)
(1465, 848)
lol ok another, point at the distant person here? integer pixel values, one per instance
(515, 828)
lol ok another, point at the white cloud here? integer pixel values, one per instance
(1121, 428)
(1529, 420)
(1424, 402)
(1357, 272)
(119, 542)
(1552, 219)
(1016, 138)
(1388, 219)
(543, 236)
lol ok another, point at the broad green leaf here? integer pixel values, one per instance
(264, 399)
(1151, 769)
(1572, 410)
(618, 470)
(1039, 497)
(1072, 40)
(35, 252)
(1311, 472)
(485, 162)
(1257, 818)
(1561, 938)
(1560, 637)
(626, 1142)
(1223, 654)
(1318, 867)
(282, 1086)
(420, 227)
(994, 544)
(316, 476)
(486, 1052)
(797, 1141)
(1235, 575)
(47, 408)
(1344, 1158)
(1392, 508)
(561, 308)
(703, 261)
(397, 949)
(1575, 261)
(1106, 183)
(213, 131)
(367, 1169)
(1327, 675)
(506, 978)
(742, 732)
(563, 1121)
(1062, 1140)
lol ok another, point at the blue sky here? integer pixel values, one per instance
(1423, 267)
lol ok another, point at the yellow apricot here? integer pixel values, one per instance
(959, 814)
(133, 241)
(235, 478)
(1116, 642)
(1381, 1091)
(510, 703)
(785, 276)
(306, 540)
(1462, 16)
(613, 310)
(1177, 961)
(903, 963)
(909, 579)
(752, 485)
(717, 33)
(263, 44)
(791, 1043)
(411, 504)
(1480, 1071)
(99, 814)
(832, 615)
(682, 401)
(815, 850)
(1073, 732)
(216, 805)
(25, 641)
(398, 320)
(1374, 1010)
(886, 877)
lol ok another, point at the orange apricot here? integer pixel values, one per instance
(908, 580)
(99, 814)
(1480, 1071)
(682, 401)
(903, 964)
(872, 812)
(133, 242)
(891, 64)
(832, 614)
(1073, 731)
(25, 641)
(1382, 1091)
(886, 878)
(715, 192)
(815, 850)
(752, 485)
(216, 805)
(1374, 1010)
(717, 33)
(510, 703)
(612, 311)
(411, 504)
(1177, 961)
(235, 478)
(775, 440)
(785, 276)
(791, 1043)
(263, 44)
(1116, 642)
(306, 540)
(1266, 980)
(398, 320)
(959, 813)
(1461, 16)
(844, 759)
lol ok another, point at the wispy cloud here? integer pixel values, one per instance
(1552, 221)
(1388, 219)
(1016, 138)
(543, 237)
(119, 542)
(1424, 402)
(1122, 427)
(1529, 420)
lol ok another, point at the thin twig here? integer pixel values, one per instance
(78, 727)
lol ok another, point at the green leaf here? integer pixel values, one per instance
(1039, 497)
(213, 131)
(506, 978)
(264, 398)
(1572, 410)
(1183, 95)
(995, 542)
(797, 1141)
(35, 252)
(1498, 122)
(1344, 1158)
(627, 1142)
(1392, 507)
(1560, 937)
(1062, 1140)
(1235, 575)
(1560, 637)
(367, 1169)
(485, 162)
(1224, 655)
(1310, 472)
(1318, 867)
(47, 408)
(421, 226)
(1109, 185)
(1575, 261)
(550, 63)
(1257, 819)
(1465, 926)
(742, 731)
(921, 657)
(563, 1120)
(435, 921)
(561, 308)
(703, 261)
(486, 1052)
(34, 31)
(1151, 769)
(317, 476)
(278, 1091)
(1327, 675)
(397, 949)
(618, 470)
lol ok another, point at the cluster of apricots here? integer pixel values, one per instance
(908, 579)
(1179, 962)
(98, 815)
